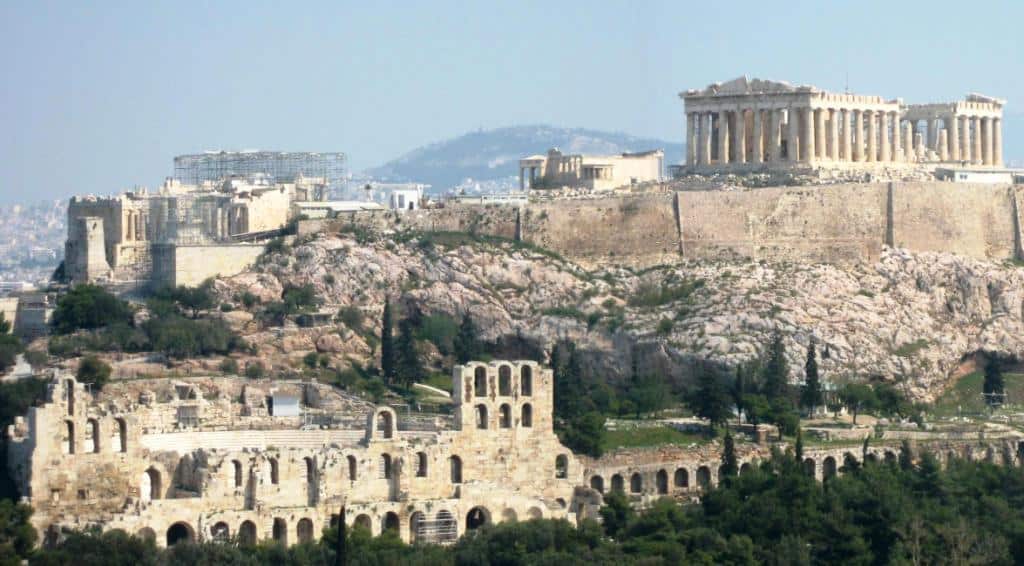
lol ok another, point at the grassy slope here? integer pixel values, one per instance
(966, 394)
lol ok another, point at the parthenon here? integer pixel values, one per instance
(752, 124)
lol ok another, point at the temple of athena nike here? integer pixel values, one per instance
(754, 125)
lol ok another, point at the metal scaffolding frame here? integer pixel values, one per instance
(280, 166)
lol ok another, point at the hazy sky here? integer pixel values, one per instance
(99, 98)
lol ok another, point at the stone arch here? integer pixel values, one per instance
(455, 468)
(237, 472)
(146, 533)
(746, 468)
(504, 380)
(180, 532)
(446, 526)
(828, 468)
(618, 484)
(508, 515)
(247, 533)
(681, 479)
(68, 442)
(481, 417)
(416, 527)
(279, 532)
(597, 483)
(661, 482)
(505, 416)
(353, 467)
(122, 435)
(363, 522)
(704, 477)
(535, 513)
(870, 458)
(220, 532)
(151, 488)
(810, 467)
(92, 438)
(385, 467)
(636, 483)
(526, 381)
(526, 418)
(275, 471)
(477, 517)
(385, 424)
(562, 466)
(480, 381)
(304, 530)
(391, 523)
(421, 464)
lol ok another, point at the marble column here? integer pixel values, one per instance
(807, 142)
(740, 137)
(723, 137)
(930, 129)
(704, 150)
(965, 138)
(819, 133)
(846, 150)
(954, 138)
(758, 148)
(793, 138)
(872, 136)
(976, 138)
(858, 134)
(997, 142)
(908, 143)
(883, 130)
(833, 134)
(986, 148)
(897, 147)
(943, 150)
(774, 130)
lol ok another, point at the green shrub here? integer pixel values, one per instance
(93, 371)
(88, 307)
(229, 366)
(255, 370)
(651, 295)
(352, 317)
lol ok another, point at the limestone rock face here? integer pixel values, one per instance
(912, 317)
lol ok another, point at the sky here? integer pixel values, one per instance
(98, 97)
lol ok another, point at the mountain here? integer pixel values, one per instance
(491, 155)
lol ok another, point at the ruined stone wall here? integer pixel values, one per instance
(190, 265)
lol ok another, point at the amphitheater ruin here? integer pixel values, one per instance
(205, 459)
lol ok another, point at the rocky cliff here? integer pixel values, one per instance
(912, 318)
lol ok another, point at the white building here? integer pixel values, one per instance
(598, 172)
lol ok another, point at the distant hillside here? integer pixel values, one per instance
(494, 154)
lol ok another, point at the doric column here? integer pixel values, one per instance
(897, 147)
(943, 145)
(858, 133)
(965, 138)
(883, 150)
(976, 136)
(872, 137)
(807, 142)
(833, 134)
(758, 149)
(954, 138)
(820, 145)
(846, 149)
(930, 130)
(740, 137)
(986, 149)
(997, 142)
(691, 141)
(793, 137)
(704, 151)
(723, 137)
(908, 142)
(774, 130)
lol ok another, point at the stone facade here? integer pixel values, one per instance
(756, 125)
(604, 172)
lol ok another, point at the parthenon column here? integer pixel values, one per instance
(723, 137)
(858, 132)
(793, 138)
(908, 143)
(872, 136)
(740, 137)
(897, 147)
(845, 151)
(965, 139)
(808, 138)
(943, 145)
(953, 125)
(883, 119)
(833, 134)
(819, 133)
(997, 142)
(930, 139)
(774, 129)
(758, 149)
(704, 150)
(986, 148)
(976, 138)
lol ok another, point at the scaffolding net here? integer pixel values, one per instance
(279, 166)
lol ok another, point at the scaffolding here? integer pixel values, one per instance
(279, 166)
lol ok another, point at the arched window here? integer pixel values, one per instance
(69, 437)
(661, 482)
(704, 477)
(385, 426)
(681, 478)
(810, 466)
(446, 526)
(352, 466)
(363, 522)
(305, 530)
(280, 532)
(477, 517)
(480, 381)
(221, 532)
(481, 417)
(417, 527)
(391, 522)
(535, 513)
(505, 416)
(526, 381)
(527, 416)
(151, 488)
(237, 470)
(597, 483)
(828, 468)
(421, 464)
(275, 475)
(505, 380)
(122, 435)
(636, 483)
(455, 465)
(180, 532)
(92, 439)
(508, 515)
(385, 466)
(562, 466)
(618, 484)
(247, 533)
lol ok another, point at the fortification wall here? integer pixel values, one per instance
(175, 264)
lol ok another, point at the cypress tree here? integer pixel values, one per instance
(776, 370)
(387, 346)
(994, 386)
(729, 464)
(799, 444)
(467, 343)
(810, 396)
(409, 367)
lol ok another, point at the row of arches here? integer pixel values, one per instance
(504, 416)
(680, 480)
(92, 441)
(386, 467)
(182, 532)
(441, 526)
(504, 381)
